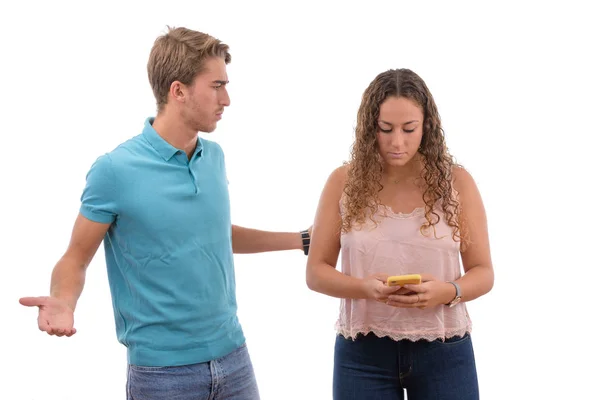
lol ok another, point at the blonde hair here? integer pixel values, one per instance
(179, 55)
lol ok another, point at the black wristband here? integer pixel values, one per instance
(305, 241)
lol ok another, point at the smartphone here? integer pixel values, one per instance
(401, 280)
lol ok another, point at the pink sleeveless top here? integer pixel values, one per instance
(395, 247)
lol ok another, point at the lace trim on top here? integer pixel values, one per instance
(397, 336)
(386, 211)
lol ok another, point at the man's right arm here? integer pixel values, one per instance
(97, 212)
(68, 276)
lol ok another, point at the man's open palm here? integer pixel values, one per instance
(55, 316)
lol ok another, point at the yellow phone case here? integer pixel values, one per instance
(401, 280)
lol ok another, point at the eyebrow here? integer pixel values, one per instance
(406, 123)
(221, 82)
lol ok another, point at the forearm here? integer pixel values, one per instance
(476, 282)
(68, 278)
(247, 240)
(327, 280)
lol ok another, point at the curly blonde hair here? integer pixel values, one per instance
(365, 170)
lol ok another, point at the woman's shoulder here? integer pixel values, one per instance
(334, 188)
(463, 183)
(461, 178)
(340, 174)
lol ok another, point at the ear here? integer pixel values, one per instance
(178, 91)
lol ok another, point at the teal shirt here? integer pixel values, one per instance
(168, 249)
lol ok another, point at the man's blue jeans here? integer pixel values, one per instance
(230, 377)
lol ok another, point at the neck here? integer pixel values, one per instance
(404, 174)
(175, 132)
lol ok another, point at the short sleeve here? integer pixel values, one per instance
(98, 201)
(223, 166)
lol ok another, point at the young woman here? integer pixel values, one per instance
(401, 206)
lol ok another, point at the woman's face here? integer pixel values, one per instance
(400, 129)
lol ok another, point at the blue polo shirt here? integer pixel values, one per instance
(168, 249)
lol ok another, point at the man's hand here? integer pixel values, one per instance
(55, 316)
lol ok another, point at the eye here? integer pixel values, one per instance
(385, 130)
(409, 131)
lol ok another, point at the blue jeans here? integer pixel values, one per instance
(230, 377)
(380, 368)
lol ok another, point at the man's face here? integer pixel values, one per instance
(206, 97)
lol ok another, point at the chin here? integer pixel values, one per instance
(207, 129)
(398, 162)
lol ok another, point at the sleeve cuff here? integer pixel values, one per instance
(96, 216)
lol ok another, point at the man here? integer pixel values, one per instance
(160, 202)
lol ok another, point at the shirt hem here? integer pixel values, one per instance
(175, 358)
(353, 333)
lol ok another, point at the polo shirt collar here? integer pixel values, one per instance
(166, 150)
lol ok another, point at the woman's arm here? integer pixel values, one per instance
(476, 258)
(321, 274)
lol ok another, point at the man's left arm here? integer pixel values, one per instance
(246, 240)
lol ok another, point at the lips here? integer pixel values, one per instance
(397, 155)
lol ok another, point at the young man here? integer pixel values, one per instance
(160, 202)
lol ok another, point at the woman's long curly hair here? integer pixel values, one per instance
(366, 168)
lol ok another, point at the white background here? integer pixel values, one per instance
(517, 88)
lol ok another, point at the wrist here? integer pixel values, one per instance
(363, 289)
(305, 241)
(455, 292)
(449, 293)
(67, 301)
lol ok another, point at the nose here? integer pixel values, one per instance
(397, 139)
(224, 100)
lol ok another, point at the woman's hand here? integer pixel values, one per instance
(430, 293)
(375, 288)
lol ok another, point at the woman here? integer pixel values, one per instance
(401, 206)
